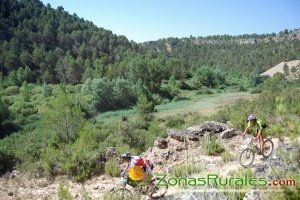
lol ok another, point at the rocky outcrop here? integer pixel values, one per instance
(182, 145)
(229, 133)
(161, 143)
(276, 162)
(167, 154)
(194, 132)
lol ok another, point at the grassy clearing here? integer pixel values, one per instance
(189, 101)
(116, 115)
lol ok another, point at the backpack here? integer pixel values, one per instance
(264, 125)
(138, 161)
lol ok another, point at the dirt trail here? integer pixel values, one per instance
(23, 189)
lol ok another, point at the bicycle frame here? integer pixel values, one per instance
(252, 146)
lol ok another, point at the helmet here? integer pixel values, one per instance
(251, 117)
(126, 156)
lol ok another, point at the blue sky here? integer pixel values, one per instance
(147, 20)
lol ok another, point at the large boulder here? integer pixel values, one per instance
(229, 133)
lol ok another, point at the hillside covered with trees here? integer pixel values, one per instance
(244, 54)
(43, 44)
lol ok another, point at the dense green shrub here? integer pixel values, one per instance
(255, 91)
(112, 168)
(175, 121)
(79, 160)
(63, 117)
(211, 146)
(64, 193)
(7, 124)
(156, 130)
(82, 164)
(208, 77)
(7, 162)
(107, 95)
(255, 79)
(227, 157)
(11, 90)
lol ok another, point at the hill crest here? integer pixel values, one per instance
(292, 66)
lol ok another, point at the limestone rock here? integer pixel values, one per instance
(161, 143)
(194, 132)
(229, 133)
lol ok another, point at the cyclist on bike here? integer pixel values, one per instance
(135, 167)
(253, 122)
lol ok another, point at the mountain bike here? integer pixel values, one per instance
(141, 189)
(247, 155)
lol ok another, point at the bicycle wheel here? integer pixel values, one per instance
(267, 148)
(246, 157)
(120, 194)
(158, 191)
(142, 190)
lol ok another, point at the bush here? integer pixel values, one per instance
(144, 105)
(256, 91)
(64, 193)
(156, 130)
(170, 90)
(181, 171)
(184, 85)
(51, 161)
(108, 95)
(209, 77)
(175, 121)
(211, 146)
(9, 100)
(7, 162)
(11, 90)
(242, 88)
(194, 118)
(78, 163)
(112, 168)
(82, 164)
(227, 157)
(80, 160)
